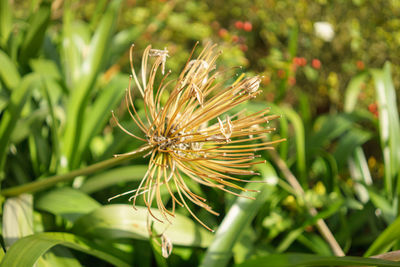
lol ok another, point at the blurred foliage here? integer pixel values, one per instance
(64, 66)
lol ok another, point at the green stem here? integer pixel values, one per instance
(50, 181)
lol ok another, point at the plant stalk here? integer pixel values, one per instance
(50, 181)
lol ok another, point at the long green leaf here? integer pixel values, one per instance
(26, 251)
(353, 90)
(385, 240)
(8, 71)
(98, 113)
(67, 202)
(58, 256)
(360, 173)
(295, 119)
(5, 21)
(389, 127)
(81, 93)
(240, 214)
(12, 113)
(294, 259)
(122, 221)
(112, 177)
(35, 35)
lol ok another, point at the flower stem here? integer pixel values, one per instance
(50, 181)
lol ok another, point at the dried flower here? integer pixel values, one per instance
(186, 138)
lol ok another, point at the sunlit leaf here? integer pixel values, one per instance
(122, 221)
(112, 177)
(17, 219)
(26, 251)
(67, 202)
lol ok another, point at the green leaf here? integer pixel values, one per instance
(353, 90)
(17, 218)
(298, 126)
(58, 256)
(348, 143)
(389, 127)
(67, 202)
(382, 203)
(49, 83)
(47, 68)
(328, 128)
(360, 173)
(122, 221)
(26, 251)
(239, 216)
(12, 113)
(98, 114)
(385, 240)
(294, 259)
(24, 126)
(9, 74)
(34, 37)
(5, 21)
(112, 177)
(81, 93)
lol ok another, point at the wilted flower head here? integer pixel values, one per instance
(190, 134)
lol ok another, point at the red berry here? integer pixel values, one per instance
(247, 26)
(297, 61)
(373, 107)
(316, 64)
(360, 65)
(235, 38)
(292, 81)
(281, 74)
(303, 61)
(239, 25)
(222, 33)
(243, 47)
